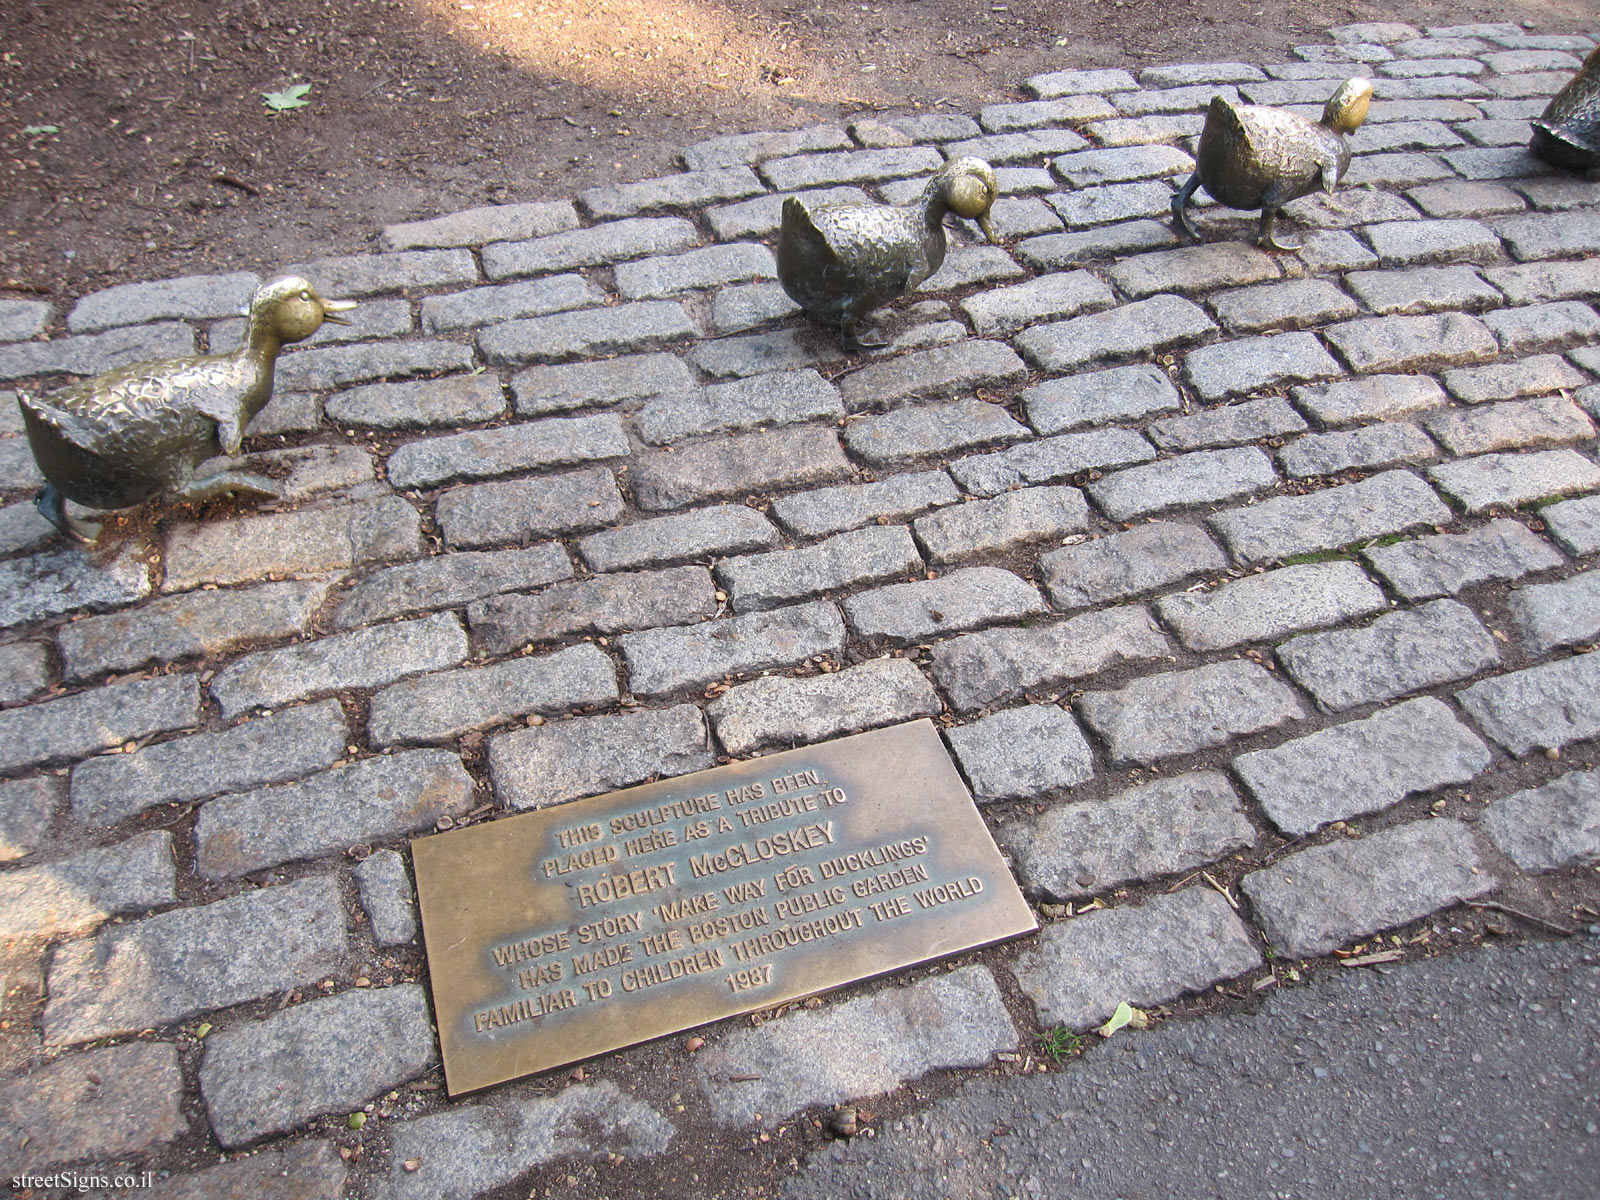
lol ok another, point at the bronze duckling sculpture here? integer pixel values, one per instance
(1567, 133)
(1251, 156)
(126, 435)
(841, 261)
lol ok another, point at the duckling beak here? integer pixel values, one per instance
(332, 308)
(985, 224)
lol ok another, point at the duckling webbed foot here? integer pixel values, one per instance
(1180, 206)
(1269, 232)
(226, 483)
(850, 339)
(52, 507)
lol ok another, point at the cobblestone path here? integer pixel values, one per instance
(1256, 594)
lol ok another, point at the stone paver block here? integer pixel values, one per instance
(371, 274)
(1203, 477)
(1538, 708)
(610, 241)
(476, 226)
(566, 386)
(836, 509)
(76, 726)
(941, 371)
(62, 579)
(719, 530)
(763, 215)
(1550, 235)
(1050, 460)
(1159, 828)
(1513, 479)
(1193, 269)
(604, 605)
(24, 671)
(360, 658)
(1009, 520)
(1392, 502)
(781, 398)
(1422, 290)
(640, 325)
(443, 705)
(773, 712)
(387, 898)
(1293, 305)
(1539, 327)
(859, 556)
(918, 432)
(22, 319)
(1264, 607)
(666, 660)
(484, 453)
(1083, 208)
(1399, 243)
(309, 542)
(105, 1104)
(453, 400)
(272, 749)
(536, 767)
(1002, 118)
(863, 1047)
(1143, 954)
(309, 1170)
(1143, 559)
(1507, 380)
(1564, 613)
(449, 581)
(508, 302)
(1121, 393)
(1143, 327)
(180, 627)
(325, 367)
(747, 305)
(1386, 445)
(516, 510)
(1462, 199)
(370, 800)
(1049, 297)
(1250, 364)
(169, 967)
(1532, 282)
(1513, 425)
(977, 670)
(739, 148)
(329, 1055)
(689, 189)
(1377, 397)
(1319, 899)
(1362, 767)
(1090, 168)
(859, 166)
(1071, 83)
(75, 895)
(194, 297)
(712, 266)
(27, 810)
(1184, 711)
(1575, 523)
(1550, 827)
(1445, 564)
(961, 600)
(1053, 251)
(1230, 425)
(92, 353)
(1373, 344)
(1022, 752)
(737, 467)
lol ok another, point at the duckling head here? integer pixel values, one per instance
(1347, 108)
(288, 309)
(970, 189)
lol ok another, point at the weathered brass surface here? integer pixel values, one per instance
(1567, 133)
(122, 437)
(1251, 156)
(841, 261)
(564, 933)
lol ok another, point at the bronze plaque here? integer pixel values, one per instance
(564, 933)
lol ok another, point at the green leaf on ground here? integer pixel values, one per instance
(293, 96)
(36, 130)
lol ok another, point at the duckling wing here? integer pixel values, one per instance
(848, 255)
(101, 415)
(82, 432)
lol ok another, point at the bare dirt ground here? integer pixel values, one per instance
(165, 161)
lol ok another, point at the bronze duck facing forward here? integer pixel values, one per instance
(1251, 156)
(841, 261)
(122, 437)
(1567, 133)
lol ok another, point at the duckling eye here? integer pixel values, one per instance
(305, 295)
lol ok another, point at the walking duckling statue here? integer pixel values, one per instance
(1251, 156)
(841, 261)
(122, 437)
(1567, 133)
